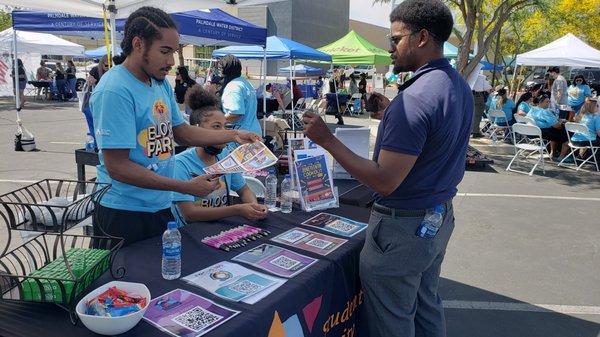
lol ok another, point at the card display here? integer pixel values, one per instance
(310, 241)
(336, 224)
(315, 183)
(234, 282)
(245, 158)
(184, 314)
(276, 260)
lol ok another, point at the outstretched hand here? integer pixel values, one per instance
(243, 137)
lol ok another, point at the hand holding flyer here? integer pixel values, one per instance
(245, 158)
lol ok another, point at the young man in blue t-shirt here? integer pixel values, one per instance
(137, 121)
(418, 162)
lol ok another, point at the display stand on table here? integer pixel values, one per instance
(53, 266)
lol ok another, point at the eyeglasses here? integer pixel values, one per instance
(394, 40)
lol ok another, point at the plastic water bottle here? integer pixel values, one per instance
(271, 193)
(431, 222)
(286, 195)
(89, 143)
(171, 257)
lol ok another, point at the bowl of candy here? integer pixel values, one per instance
(114, 308)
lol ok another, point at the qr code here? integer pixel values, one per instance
(341, 226)
(245, 287)
(292, 236)
(197, 319)
(284, 262)
(319, 243)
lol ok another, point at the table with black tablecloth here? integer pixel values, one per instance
(325, 298)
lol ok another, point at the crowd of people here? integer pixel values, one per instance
(550, 104)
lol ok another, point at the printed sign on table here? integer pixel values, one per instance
(335, 224)
(310, 241)
(184, 314)
(279, 261)
(315, 183)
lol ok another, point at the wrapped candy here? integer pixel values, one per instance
(114, 302)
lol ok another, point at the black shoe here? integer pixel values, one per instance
(477, 135)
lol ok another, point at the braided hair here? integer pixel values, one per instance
(144, 23)
(202, 103)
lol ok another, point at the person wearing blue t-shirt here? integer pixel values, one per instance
(524, 104)
(238, 97)
(136, 122)
(506, 105)
(206, 113)
(588, 116)
(419, 159)
(552, 128)
(577, 92)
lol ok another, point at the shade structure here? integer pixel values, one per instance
(567, 51)
(490, 66)
(302, 70)
(354, 49)
(38, 43)
(93, 8)
(198, 27)
(99, 52)
(277, 48)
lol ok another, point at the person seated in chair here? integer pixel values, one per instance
(552, 128)
(588, 116)
(503, 103)
(206, 113)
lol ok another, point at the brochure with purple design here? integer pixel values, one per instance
(184, 314)
(310, 241)
(276, 260)
(335, 224)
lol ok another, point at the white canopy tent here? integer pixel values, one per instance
(568, 51)
(38, 43)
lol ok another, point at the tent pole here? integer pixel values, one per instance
(512, 82)
(113, 27)
(16, 75)
(337, 100)
(292, 95)
(263, 65)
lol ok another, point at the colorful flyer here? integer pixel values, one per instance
(184, 314)
(335, 224)
(310, 241)
(234, 282)
(315, 183)
(245, 158)
(276, 260)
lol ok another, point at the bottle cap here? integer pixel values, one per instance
(172, 225)
(439, 209)
(287, 176)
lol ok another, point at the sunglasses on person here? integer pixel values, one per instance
(395, 39)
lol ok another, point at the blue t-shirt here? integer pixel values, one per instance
(430, 119)
(592, 121)
(130, 114)
(239, 98)
(578, 93)
(507, 108)
(188, 165)
(524, 107)
(543, 118)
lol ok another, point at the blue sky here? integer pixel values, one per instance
(366, 11)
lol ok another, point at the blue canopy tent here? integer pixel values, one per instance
(277, 48)
(301, 69)
(99, 52)
(490, 66)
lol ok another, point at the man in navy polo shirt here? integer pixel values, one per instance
(419, 160)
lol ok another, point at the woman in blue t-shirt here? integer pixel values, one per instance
(502, 102)
(552, 128)
(524, 104)
(588, 116)
(206, 113)
(577, 92)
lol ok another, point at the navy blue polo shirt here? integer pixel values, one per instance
(431, 119)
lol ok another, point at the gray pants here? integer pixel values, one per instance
(478, 109)
(400, 276)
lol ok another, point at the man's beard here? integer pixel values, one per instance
(147, 61)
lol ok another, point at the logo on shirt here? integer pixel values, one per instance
(217, 198)
(157, 139)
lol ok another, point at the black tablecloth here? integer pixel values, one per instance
(334, 278)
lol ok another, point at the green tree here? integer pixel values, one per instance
(5, 20)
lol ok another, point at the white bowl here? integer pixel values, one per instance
(113, 325)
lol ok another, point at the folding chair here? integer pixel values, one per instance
(573, 128)
(520, 119)
(495, 128)
(307, 102)
(299, 104)
(535, 145)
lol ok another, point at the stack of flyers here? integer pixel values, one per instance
(276, 260)
(336, 224)
(315, 183)
(181, 313)
(310, 241)
(299, 144)
(245, 158)
(234, 282)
